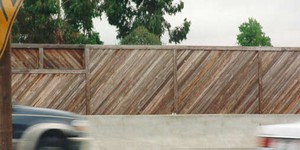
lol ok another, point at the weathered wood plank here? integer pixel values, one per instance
(47, 71)
(217, 82)
(24, 59)
(175, 71)
(259, 73)
(41, 58)
(280, 83)
(87, 81)
(125, 80)
(59, 91)
(131, 82)
(63, 59)
(200, 48)
(48, 46)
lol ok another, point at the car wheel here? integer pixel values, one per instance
(52, 142)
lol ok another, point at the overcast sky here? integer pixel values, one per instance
(216, 22)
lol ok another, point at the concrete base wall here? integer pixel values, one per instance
(164, 132)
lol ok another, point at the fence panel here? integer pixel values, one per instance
(281, 82)
(24, 59)
(130, 80)
(217, 82)
(63, 59)
(59, 91)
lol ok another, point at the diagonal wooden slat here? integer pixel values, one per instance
(131, 80)
(63, 59)
(24, 59)
(281, 86)
(217, 82)
(64, 91)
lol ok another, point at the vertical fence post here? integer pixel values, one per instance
(259, 72)
(41, 58)
(5, 100)
(175, 69)
(87, 80)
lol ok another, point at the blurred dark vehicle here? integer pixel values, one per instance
(279, 137)
(47, 129)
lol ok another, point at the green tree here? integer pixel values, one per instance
(35, 22)
(57, 21)
(251, 34)
(141, 36)
(78, 22)
(127, 15)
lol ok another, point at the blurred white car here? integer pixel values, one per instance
(279, 137)
(47, 129)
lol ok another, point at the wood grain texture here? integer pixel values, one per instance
(59, 91)
(63, 59)
(24, 59)
(213, 82)
(131, 80)
(281, 83)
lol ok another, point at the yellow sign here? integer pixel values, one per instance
(8, 13)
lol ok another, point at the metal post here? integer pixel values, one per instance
(5, 101)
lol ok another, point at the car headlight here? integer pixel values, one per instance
(80, 125)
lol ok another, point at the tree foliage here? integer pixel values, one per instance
(127, 15)
(251, 34)
(141, 36)
(57, 21)
(78, 21)
(36, 22)
(80, 13)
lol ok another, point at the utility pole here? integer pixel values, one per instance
(5, 101)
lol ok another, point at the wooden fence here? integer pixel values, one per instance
(130, 80)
